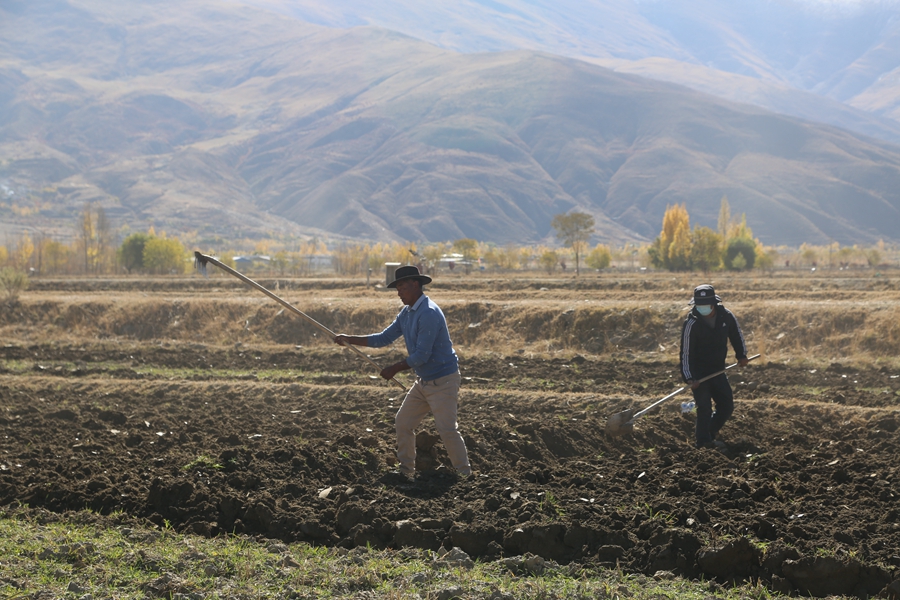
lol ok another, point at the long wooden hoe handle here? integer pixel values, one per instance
(681, 389)
(202, 259)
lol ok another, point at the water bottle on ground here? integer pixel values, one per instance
(687, 407)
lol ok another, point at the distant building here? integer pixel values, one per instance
(249, 262)
(451, 261)
(314, 262)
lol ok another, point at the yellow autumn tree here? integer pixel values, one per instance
(24, 250)
(706, 249)
(599, 257)
(740, 247)
(510, 257)
(94, 233)
(739, 229)
(56, 257)
(724, 218)
(672, 249)
(548, 260)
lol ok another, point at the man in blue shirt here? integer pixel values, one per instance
(431, 356)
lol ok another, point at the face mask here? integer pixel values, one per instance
(704, 309)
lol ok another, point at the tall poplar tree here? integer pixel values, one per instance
(724, 219)
(672, 249)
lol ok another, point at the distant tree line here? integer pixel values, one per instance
(732, 247)
(94, 251)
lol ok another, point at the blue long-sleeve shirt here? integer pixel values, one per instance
(424, 329)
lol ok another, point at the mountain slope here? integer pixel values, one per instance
(235, 122)
(836, 52)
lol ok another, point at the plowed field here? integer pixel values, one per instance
(296, 442)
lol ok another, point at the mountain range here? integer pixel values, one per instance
(228, 121)
(765, 52)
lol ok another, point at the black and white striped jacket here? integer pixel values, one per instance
(704, 349)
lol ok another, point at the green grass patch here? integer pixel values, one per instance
(42, 554)
(202, 462)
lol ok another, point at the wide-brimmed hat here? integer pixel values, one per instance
(705, 294)
(409, 272)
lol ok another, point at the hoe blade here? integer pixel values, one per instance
(621, 423)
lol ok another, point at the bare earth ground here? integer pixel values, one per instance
(297, 443)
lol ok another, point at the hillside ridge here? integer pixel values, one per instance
(231, 122)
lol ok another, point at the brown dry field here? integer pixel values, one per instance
(201, 403)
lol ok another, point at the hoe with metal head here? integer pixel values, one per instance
(622, 423)
(200, 262)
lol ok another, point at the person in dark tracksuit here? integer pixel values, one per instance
(704, 348)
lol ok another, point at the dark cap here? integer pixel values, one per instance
(409, 272)
(705, 294)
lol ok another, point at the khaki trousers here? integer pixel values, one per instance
(441, 397)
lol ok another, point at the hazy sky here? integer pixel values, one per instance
(851, 4)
